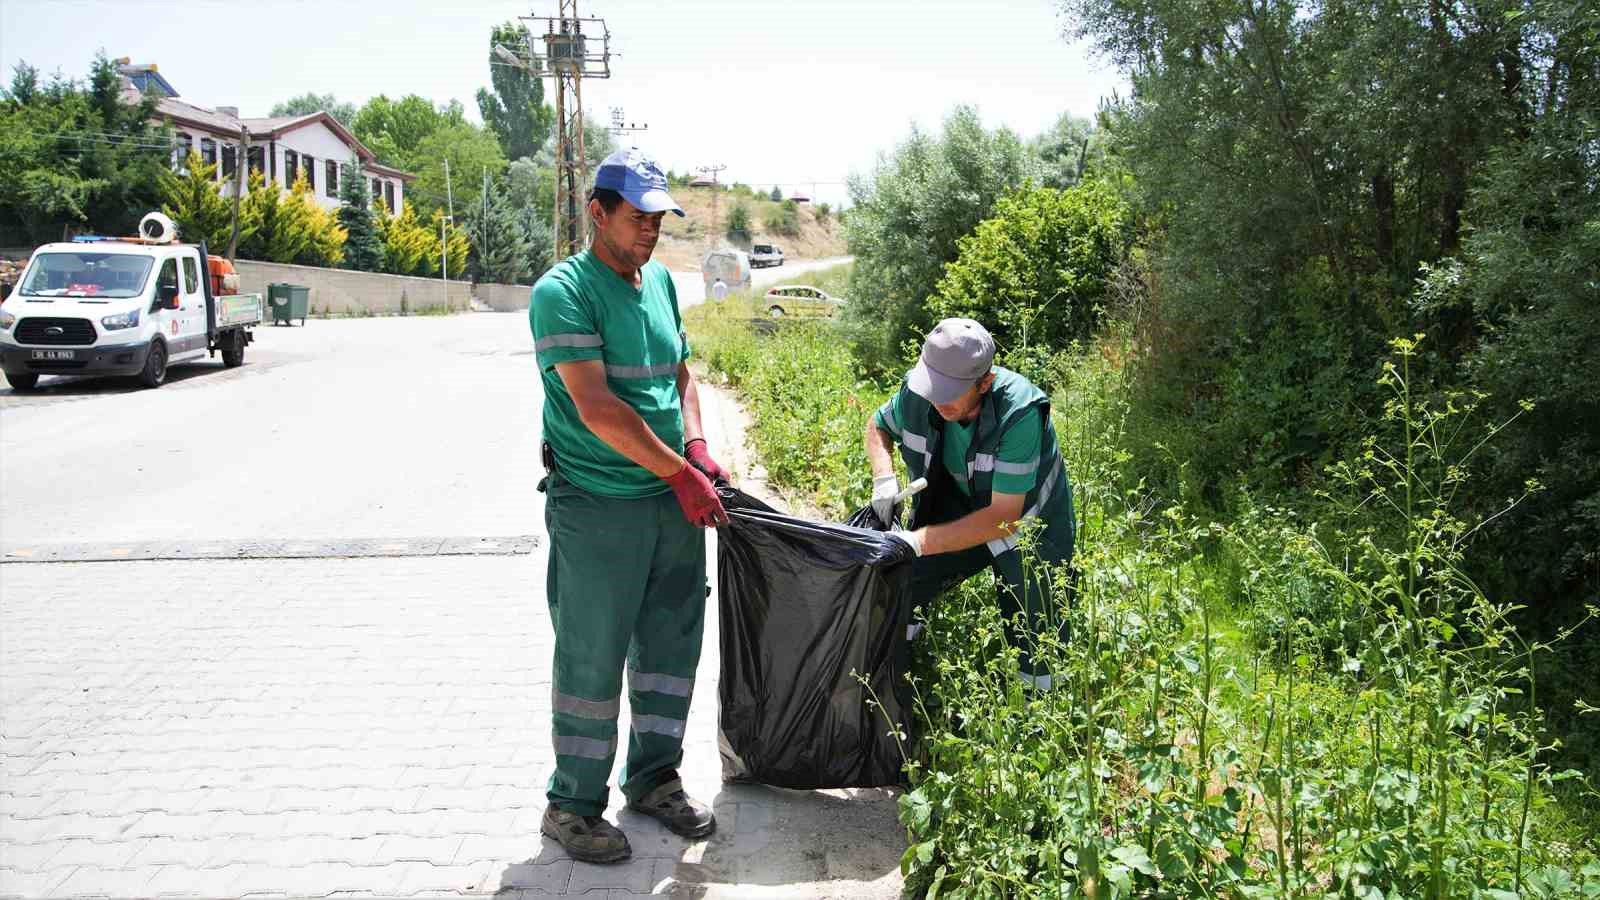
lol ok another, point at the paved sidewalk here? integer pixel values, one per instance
(360, 727)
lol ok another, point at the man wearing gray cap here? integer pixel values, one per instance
(629, 493)
(982, 437)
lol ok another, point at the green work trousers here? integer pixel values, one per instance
(627, 587)
(1030, 589)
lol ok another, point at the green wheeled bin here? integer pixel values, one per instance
(288, 302)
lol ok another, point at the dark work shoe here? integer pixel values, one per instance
(676, 810)
(587, 838)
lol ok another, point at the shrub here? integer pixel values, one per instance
(1035, 272)
(907, 217)
(739, 220)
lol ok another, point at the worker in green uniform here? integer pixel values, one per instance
(982, 437)
(629, 491)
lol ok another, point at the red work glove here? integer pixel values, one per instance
(697, 497)
(695, 451)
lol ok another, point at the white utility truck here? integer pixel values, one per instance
(123, 306)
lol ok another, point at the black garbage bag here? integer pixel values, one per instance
(804, 607)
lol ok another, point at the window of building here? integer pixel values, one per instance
(256, 160)
(230, 160)
(291, 160)
(208, 152)
(377, 189)
(330, 178)
(388, 198)
(183, 142)
(308, 165)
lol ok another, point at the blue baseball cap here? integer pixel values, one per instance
(638, 179)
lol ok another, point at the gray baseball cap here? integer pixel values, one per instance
(957, 353)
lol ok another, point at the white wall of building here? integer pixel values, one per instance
(317, 139)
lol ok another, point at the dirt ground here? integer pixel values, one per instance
(685, 239)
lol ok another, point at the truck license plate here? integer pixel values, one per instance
(53, 354)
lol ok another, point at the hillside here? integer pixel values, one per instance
(684, 240)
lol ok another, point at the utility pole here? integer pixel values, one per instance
(444, 241)
(619, 127)
(716, 193)
(567, 58)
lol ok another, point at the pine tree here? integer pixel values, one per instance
(363, 247)
(193, 203)
(409, 247)
(501, 248)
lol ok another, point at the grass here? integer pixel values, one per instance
(1259, 707)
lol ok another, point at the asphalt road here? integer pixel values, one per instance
(385, 427)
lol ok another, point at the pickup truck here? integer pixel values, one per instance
(765, 255)
(123, 306)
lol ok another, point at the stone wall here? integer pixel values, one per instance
(342, 292)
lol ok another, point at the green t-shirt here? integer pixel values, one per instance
(1018, 445)
(581, 309)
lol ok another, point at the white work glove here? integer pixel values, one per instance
(884, 489)
(913, 539)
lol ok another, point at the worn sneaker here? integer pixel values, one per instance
(587, 838)
(676, 810)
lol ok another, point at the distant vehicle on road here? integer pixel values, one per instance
(123, 306)
(801, 300)
(731, 267)
(762, 255)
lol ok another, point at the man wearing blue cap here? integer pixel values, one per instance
(629, 491)
(982, 436)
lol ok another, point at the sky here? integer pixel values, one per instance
(800, 93)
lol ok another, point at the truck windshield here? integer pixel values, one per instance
(108, 275)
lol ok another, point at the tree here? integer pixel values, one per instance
(363, 249)
(515, 109)
(395, 129)
(501, 246)
(76, 156)
(1070, 150)
(470, 149)
(290, 227)
(194, 204)
(308, 103)
(410, 247)
(906, 218)
(775, 195)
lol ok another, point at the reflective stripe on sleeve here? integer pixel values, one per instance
(1009, 542)
(642, 371)
(918, 443)
(658, 683)
(586, 709)
(1022, 468)
(888, 418)
(986, 462)
(589, 748)
(568, 340)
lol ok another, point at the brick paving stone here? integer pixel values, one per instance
(276, 724)
(557, 876)
(634, 875)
